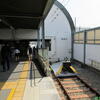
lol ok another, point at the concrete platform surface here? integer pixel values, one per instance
(44, 89)
(18, 83)
(12, 82)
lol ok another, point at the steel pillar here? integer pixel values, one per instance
(84, 47)
(43, 35)
(72, 47)
(38, 39)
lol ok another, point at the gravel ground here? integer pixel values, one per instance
(90, 76)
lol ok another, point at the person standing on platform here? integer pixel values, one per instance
(34, 53)
(5, 56)
(29, 53)
(17, 53)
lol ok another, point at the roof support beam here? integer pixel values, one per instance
(38, 39)
(6, 23)
(10, 26)
(46, 10)
(13, 34)
(30, 17)
(48, 7)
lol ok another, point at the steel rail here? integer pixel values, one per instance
(66, 94)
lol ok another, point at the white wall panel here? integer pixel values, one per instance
(52, 54)
(57, 25)
(92, 53)
(79, 52)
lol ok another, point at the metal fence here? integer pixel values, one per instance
(92, 36)
(87, 41)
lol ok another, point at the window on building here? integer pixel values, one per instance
(48, 45)
(76, 38)
(90, 37)
(79, 37)
(97, 36)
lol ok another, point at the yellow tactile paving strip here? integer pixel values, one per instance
(18, 87)
(19, 91)
(11, 94)
(8, 85)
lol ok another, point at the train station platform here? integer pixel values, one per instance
(25, 82)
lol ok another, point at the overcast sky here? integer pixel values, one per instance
(86, 12)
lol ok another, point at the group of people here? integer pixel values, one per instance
(31, 52)
(6, 55)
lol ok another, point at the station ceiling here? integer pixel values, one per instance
(23, 13)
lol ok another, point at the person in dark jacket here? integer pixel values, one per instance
(34, 53)
(5, 56)
(29, 53)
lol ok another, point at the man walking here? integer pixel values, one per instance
(29, 53)
(5, 55)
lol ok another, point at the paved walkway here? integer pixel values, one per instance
(12, 82)
(18, 84)
(40, 88)
(44, 89)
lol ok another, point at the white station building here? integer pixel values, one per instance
(58, 28)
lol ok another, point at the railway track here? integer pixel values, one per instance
(74, 88)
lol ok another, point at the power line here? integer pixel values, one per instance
(67, 3)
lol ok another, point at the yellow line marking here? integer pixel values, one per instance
(73, 69)
(11, 94)
(18, 87)
(59, 70)
(7, 85)
(19, 92)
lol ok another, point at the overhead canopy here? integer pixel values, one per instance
(23, 13)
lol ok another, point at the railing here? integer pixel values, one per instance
(92, 36)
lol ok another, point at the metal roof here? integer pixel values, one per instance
(64, 10)
(23, 13)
